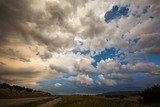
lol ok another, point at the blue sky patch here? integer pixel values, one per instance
(116, 12)
(152, 58)
(124, 62)
(107, 53)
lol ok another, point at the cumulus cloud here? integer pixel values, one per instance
(72, 63)
(83, 80)
(83, 65)
(112, 65)
(106, 81)
(108, 65)
(54, 20)
(118, 33)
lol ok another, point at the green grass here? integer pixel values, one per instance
(36, 103)
(99, 101)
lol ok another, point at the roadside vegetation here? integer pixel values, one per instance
(8, 91)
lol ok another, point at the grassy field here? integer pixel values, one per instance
(100, 101)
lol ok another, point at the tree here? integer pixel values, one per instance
(151, 95)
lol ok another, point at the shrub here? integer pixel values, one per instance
(151, 95)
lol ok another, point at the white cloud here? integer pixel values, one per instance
(83, 65)
(57, 85)
(106, 81)
(136, 66)
(71, 63)
(83, 80)
(108, 65)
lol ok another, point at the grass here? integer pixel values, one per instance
(100, 101)
(8, 94)
(36, 103)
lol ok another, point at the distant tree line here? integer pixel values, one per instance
(151, 95)
(19, 88)
(116, 96)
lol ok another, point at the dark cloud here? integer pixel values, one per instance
(14, 55)
(13, 17)
(53, 44)
(150, 43)
(59, 68)
(24, 75)
(92, 25)
(153, 50)
(76, 3)
(19, 20)
(58, 13)
(46, 55)
(27, 72)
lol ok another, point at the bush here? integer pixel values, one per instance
(151, 95)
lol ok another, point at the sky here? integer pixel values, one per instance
(80, 46)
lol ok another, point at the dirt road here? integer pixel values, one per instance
(51, 103)
(19, 101)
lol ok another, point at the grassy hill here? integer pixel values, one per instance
(8, 91)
